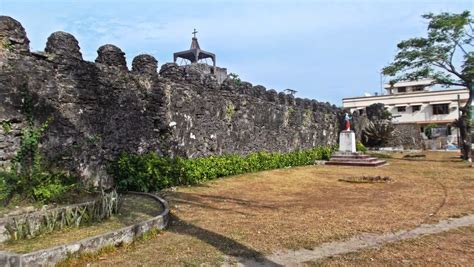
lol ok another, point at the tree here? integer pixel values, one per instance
(379, 130)
(446, 56)
(378, 111)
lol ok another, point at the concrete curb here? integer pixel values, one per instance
(49, 256)
(36, 215)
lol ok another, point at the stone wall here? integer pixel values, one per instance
(99, 109)
(406, 136)
(236, 117)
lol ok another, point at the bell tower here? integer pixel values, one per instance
(195, 53)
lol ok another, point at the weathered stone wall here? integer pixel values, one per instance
(99, 109)
(236, 117)
(406, 136)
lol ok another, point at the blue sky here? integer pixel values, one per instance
(325, 50)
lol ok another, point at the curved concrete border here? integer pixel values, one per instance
(35, 215)
(127, 234)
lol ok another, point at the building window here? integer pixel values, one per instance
(402, 89)
(418, 88)
(439, 109)
(416, 108)
(401, 109)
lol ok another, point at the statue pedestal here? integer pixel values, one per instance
(347, 155)
(347, 142)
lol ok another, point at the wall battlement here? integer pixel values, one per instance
(99, 109)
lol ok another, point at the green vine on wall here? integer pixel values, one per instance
(307, 117)
(28, 158)
(7, 44)
(7, 126)
(291, 111)
(229, 112)
(27, 176)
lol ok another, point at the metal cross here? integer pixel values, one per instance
(194, 32)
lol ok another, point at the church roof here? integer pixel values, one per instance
(195, 44)
(194, 54)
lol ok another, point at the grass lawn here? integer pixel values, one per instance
(261, 213)
(453, 248)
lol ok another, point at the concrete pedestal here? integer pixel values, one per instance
(347, 155)
(347, 142)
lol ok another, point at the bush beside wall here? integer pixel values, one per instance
(150, 172)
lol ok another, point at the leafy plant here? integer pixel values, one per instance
(360, 147)
(377, 133)
(428, 129)
(378, 111)
(27, 176)
(150, 172)
(6, 126)
(379, 129)
(229, 112)
(27, 161)
(7, 44)
(235, 78)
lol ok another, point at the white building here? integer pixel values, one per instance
(414, 102)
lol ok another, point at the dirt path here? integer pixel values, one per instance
(298, 257)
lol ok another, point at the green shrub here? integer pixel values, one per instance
(235, 78)
(428, 129)
(40, 186)
(27, 176)
(360, 147)
(150, 172)
(51, 186)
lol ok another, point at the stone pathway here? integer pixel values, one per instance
(364, 241)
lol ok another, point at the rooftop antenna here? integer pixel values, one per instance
(381, 83)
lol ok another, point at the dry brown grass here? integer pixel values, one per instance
(453, 248)
(260, 213)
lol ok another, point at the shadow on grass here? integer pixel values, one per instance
(207, 201)
(456, 160)
(224, 244)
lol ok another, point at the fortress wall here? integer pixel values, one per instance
(237, 117)
(99, 109)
